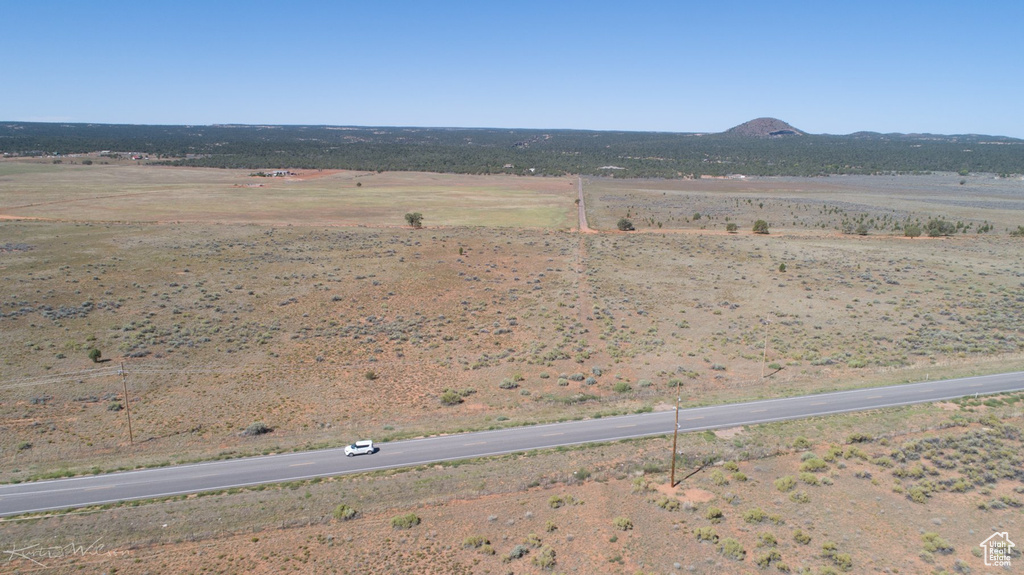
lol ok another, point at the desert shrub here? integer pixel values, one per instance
(371, 375)
(809, 478)
(800, 537)
(563, 382)
(912, 230)
(933, 543)
(550, 527)
(95, 355)
(713, 514)
(668, 503)
(487, 550)
(739, 476)
(731, 466)
(407, 521)
(917, 494)
(621, 387)
(767, 540)
(755, 515)
(517, 552)
(764, 561)
(843, 561)
(577, 377)
(533, 540)
(706, 534)
(718, 478)
(475, 542)
(731, 227)
(622, 523)
(799, 497)
(786, 483)
(760, 227)
(732, 549)
(256, 428)
(508, 383)
(814, 465)
(344, 512)
(859, 438)
(545, 559)
(556, 501)
(640, 485)
(624, 225)
(1018, 233)
(450, 397)
(801, 443)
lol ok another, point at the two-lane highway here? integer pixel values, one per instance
(176, 480)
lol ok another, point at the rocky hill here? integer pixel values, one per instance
(764, 128)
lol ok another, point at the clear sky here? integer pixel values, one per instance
(824, 66)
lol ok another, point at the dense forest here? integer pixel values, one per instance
(528, 152)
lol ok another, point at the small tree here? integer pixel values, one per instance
(415, 219)
(939, 227)
(731, 228)
(95, 355)
(912, 230)
(782, 267)
(862, 230)
(760, 227)
(625, 225)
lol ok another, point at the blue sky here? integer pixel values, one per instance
(825, 67)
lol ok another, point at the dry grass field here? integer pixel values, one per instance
(305, 303)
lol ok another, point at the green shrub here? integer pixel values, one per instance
(475, 542)
(624, 225)
(344, 512)
(450, 397)
(859, 438)
(801, 443)
(732, 549)
(622, 523)
(621, 387)
(756, 515)
(718, 478)
(933, 543)
(668, 503)
(814, 465)
(760, 227)
(799, 497)
(800, 537)
(809, 478)
(533, 540)
(739, 476)
(545, 559)
(713, 514)
(786, 483)
(764, 561)
(407, 521)
(767, 540)
(706, 534)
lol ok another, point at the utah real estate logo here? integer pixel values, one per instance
(997, 549)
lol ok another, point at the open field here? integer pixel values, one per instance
(306, 305)
(120, 192)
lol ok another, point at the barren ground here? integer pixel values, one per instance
(307, 305)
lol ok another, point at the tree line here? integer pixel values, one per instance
(523, 152)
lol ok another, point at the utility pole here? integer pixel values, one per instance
(675, 435)
(764, 354)
(127, 409)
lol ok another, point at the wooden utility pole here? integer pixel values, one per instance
(764, 354)
(675, 435)
(127, 409)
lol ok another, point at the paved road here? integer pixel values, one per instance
(98, 489)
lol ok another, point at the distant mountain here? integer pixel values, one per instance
(764, 128)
